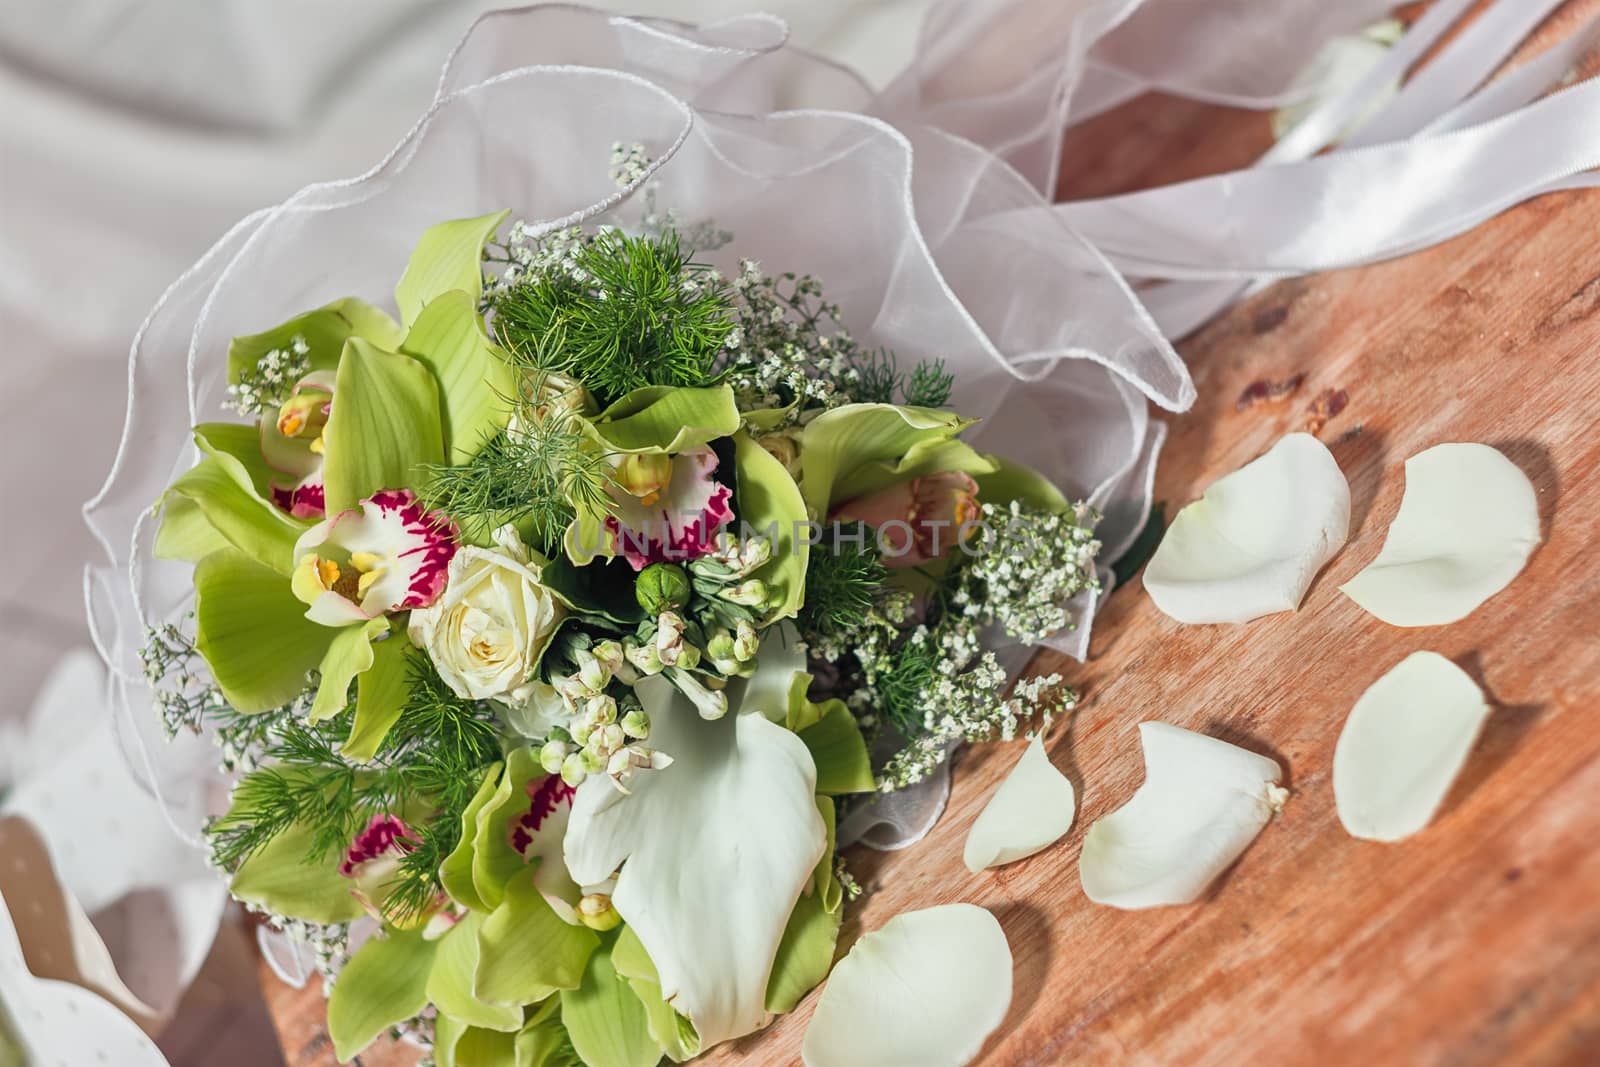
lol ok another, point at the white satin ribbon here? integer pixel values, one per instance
(1464, 63)
(1347, 208)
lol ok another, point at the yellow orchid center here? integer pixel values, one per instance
(372, 567)
(645, 476)
(315, 575)
(305, 414)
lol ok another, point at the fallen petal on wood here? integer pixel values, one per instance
(1253, 543)
(1404, 743)
(928, 988)
(1467, 524)
(1030, 811)
(1202, 802)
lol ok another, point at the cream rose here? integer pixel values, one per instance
(486, 632)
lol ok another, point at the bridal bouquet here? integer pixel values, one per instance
(550, 623)
(557, 617)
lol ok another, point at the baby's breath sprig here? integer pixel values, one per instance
(267, 384)
(1030, 565)
(967, 708)
(791, 346)
(178, 681)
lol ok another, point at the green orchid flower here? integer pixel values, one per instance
(276, 598)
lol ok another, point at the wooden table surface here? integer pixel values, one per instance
(1475, 942)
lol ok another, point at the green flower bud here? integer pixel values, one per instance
(662, 587)
(750, 592)
(636, 724)
(611, 656)
(581, 731)
(597, 913)
(553, 755)
(592, 673)
(643, 657)
(600, 711)
(688, 657)
(669, 637)
(572, 770)
(722, 650)
(747, 643)
(609, 738)
(756, 551)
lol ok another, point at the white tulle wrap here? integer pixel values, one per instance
(925, 208)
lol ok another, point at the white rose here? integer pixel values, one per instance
(485, 634)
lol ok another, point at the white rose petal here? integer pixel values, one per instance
(485, 634)
(1468, 521)
(1202, 802)
(1404, 743)
(1030, 811)
(926, 990)
(1253, 543)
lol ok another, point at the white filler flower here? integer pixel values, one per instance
(1253, 543)
(1404, 743)
(926, 989)
(1202, 802)
(1467, 524)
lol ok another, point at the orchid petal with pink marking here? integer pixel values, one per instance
(390, 554)
(670, 515)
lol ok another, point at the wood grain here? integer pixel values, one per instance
(1476, 942)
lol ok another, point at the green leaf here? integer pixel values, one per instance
(767, 500)
(278, 877)
(380, 698)
(836, 745)
(606, 1020)
(1012, 481)
(349, 655)
(454, 969)
(383, 984)
(448, 256)
(476, 383)
(325, 331)
(253, 632)
(1143, 547)
(674, 1033)
(601, 594)
(660, 418)
(526, 951)
(384, 427)
(455, 874)
(840, 442)
(222, 490)
(805, 954)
